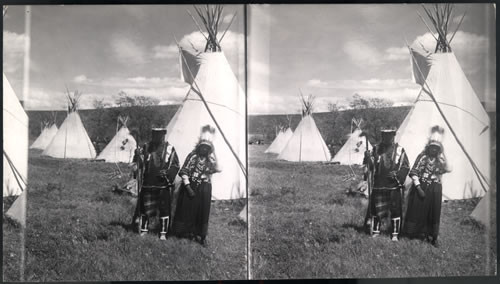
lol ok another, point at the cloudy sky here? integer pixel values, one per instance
(102, 50)
(335, 51)
(331, 51)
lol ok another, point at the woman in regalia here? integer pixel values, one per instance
(424, 202)
(193, 205)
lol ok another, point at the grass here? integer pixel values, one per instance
(77, 229)
(304, 225)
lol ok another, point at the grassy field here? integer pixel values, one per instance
(304, 225)
(77, 229)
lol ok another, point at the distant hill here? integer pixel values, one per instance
(101, 123)
(334, 126)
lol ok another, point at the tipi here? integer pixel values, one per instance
(71, 140)
(48, 132)
(217, 99)
(352, 153)
(306, 143)
(243, 214)
(15, 143)
(448, 100)
(280, 141)
(482, 212)
(121, 148)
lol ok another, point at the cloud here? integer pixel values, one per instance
(233, 45)
(402, 96)
(400, 91)
(340, 92)
(258, 68)
(81, 79)
(127, 51)
(165, 51)
(456, 20)
(13, 51)
(135, 82)
(471, 49)
(317, 83)
(367, 84)
(166, 95)
(261, 102)
(397, 53)
(362, 54)
(227, 18)
(40, 99)
(169, 90)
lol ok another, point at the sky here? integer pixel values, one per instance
(330, 51)
(336, 51)
(103, 50)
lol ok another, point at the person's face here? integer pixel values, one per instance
(158, 136)
(387, 138)
(433, 150)
(203, 150)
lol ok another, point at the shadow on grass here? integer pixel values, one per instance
(357, 227)
(129, 227)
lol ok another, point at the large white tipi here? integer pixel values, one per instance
(352, 153)
(71, 140)
(122, 147)
(280, 141)
(15, 143)
(444, 84)
(215, 98)
(306, 143)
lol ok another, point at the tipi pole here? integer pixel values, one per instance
(27, 48)
(242, 167)
(300, 146)
(65, 139)
(431, 95)
(16, 172)
(26, 89)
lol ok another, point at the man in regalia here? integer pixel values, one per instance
(157, 164)
(389, 166)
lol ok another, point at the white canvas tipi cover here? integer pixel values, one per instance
(306, 144)
(226, 100)
(15, 143)
(280, 142)
(120, 149)
(243, 214)
(482, 212)
(45, 137)
(463, 110)
(352, 153)
(71, 140)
